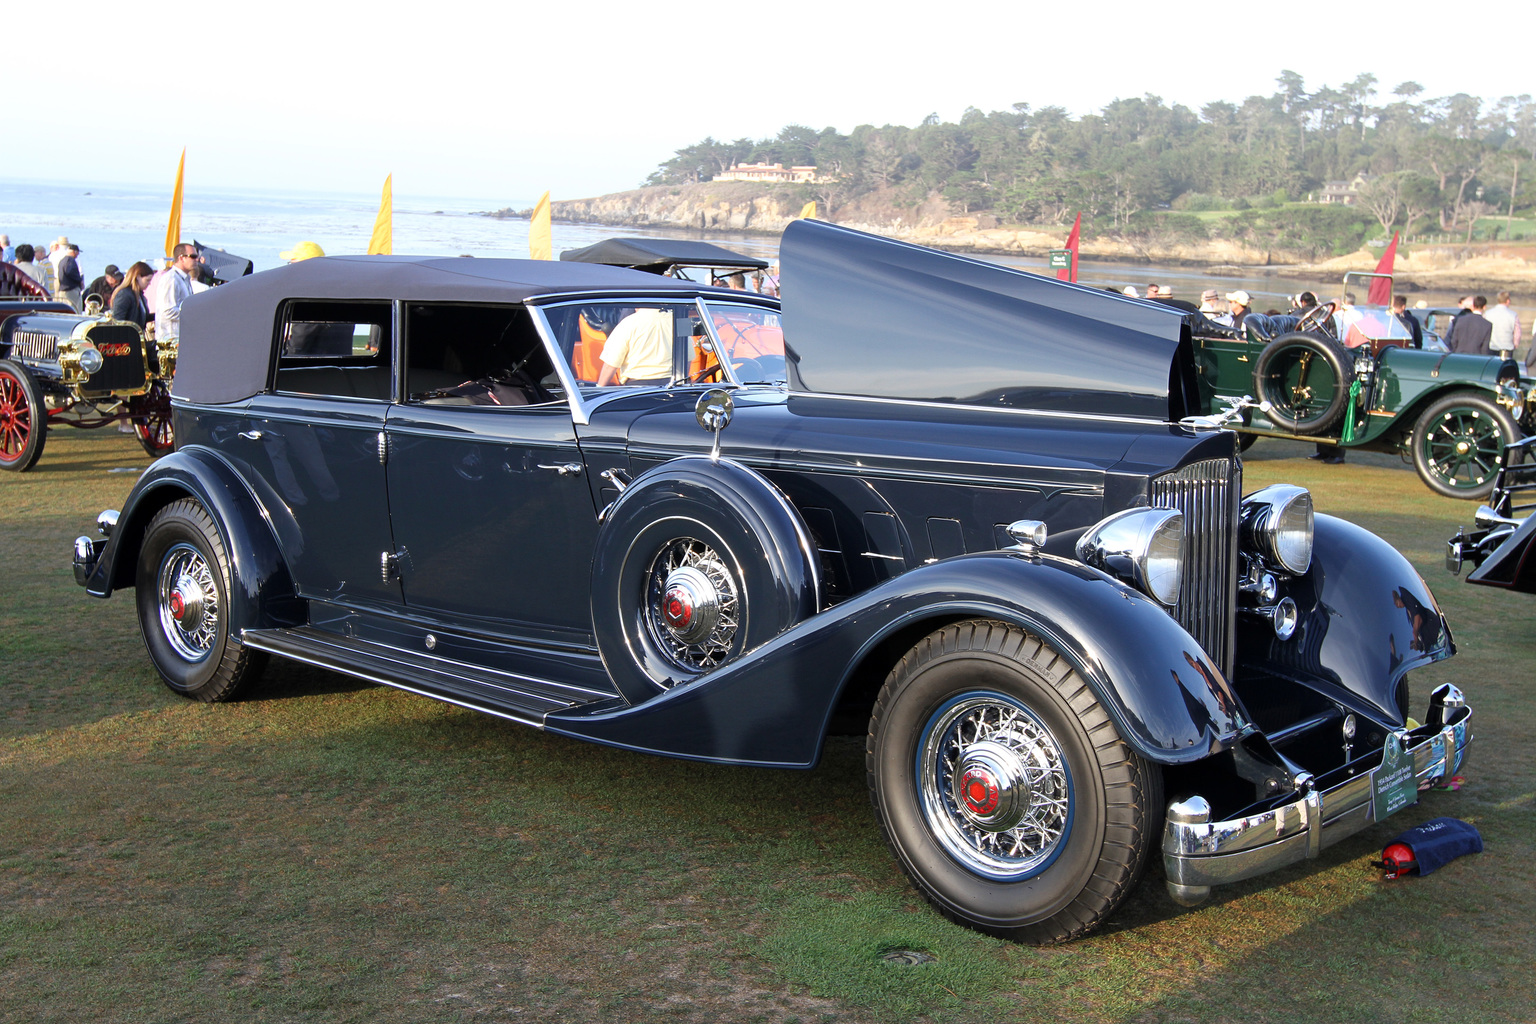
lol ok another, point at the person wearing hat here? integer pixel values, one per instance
(103, 287)
(302, 251)
(71, 281)
(1240, 304)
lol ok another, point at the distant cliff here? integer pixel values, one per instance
(743, 206)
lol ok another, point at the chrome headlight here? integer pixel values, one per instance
(1142, 546)
(90, 359)
(1277, 525)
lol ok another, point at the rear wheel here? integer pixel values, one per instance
(1458, 444)
(23, 418)
(151, 415)
(1002, 787)
(182, 594)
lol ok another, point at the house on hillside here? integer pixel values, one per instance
(770, 173)
(1344, 193)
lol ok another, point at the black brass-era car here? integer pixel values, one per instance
(62, 369)
(947, 502)
(1450, 414)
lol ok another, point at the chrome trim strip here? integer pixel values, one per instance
(1011, 410)
(1214, 853)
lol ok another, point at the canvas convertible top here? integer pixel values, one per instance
(227, 332)
(658, 255)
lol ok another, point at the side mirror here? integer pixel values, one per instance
(713, 412)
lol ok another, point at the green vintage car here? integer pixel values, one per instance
(1450, 414)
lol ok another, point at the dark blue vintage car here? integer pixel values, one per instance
(945, 504)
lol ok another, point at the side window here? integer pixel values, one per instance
(459, 354)
(642, 339)
(340, 349)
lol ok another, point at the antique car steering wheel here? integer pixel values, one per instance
(1314, 318)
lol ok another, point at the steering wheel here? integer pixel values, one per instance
(1314, 318)
(713, 370)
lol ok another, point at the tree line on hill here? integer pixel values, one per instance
(1141, 169)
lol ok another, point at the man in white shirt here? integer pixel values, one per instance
(1506, 328)
(639, 349)
(175, 288)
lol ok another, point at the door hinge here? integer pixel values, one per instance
(393, 563)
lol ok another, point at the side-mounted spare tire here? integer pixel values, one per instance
(697, 563)
(1305, 378)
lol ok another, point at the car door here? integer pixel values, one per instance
(313, 447)
(488, 496)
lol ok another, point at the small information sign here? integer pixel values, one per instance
(1061, 259)
(1393, 785)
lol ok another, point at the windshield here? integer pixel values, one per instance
(751, 339)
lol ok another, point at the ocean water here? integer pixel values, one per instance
(120, 224)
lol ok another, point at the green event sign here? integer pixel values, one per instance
(1060, 259)
(1393, 785)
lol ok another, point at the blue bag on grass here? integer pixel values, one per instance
(1438, 842)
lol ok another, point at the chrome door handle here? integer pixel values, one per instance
(251, 435)
(564, 468)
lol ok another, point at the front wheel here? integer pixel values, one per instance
(182, 594)
(1458, 444)
(23, 418)
(1002, 787)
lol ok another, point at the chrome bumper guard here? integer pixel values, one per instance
(1199, 853)
(88, 551)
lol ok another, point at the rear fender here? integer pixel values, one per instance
(772, 706)
(261, 591)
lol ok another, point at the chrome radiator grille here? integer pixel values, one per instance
(34, 345)
(1208, 493)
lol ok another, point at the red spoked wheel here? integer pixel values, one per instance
(151, 414)
(23, 418)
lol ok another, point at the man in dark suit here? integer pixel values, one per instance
(1471, 333)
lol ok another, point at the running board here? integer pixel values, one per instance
(519, 698)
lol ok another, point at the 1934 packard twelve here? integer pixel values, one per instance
(948, 502)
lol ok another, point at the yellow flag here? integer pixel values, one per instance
(540, 247)
(173, 226)
(809, 210)
(383, 241)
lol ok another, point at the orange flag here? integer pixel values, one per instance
(173, 226)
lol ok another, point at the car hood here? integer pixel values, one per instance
(867, 315)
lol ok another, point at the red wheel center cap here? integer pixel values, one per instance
(678, 608)
(178, 605)
(980, 791)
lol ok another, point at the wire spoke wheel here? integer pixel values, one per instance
(189, 602)
(692, 604)
(152, 420)
(996, 790)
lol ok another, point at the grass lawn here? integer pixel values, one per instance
(333, 851)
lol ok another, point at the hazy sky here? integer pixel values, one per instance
(503, 102)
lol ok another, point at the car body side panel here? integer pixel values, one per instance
(772, 707)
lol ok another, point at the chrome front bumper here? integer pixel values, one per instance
(1199, 853)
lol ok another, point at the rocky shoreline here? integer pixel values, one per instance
(747, 207)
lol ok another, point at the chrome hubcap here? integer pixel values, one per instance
(692, 604)
(189, 602)
(995, 789)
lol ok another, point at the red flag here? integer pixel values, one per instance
(1070, 273)
(1381, 287)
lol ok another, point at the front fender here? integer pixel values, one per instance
(261, 592)
(1365, 619)
(772, 707)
